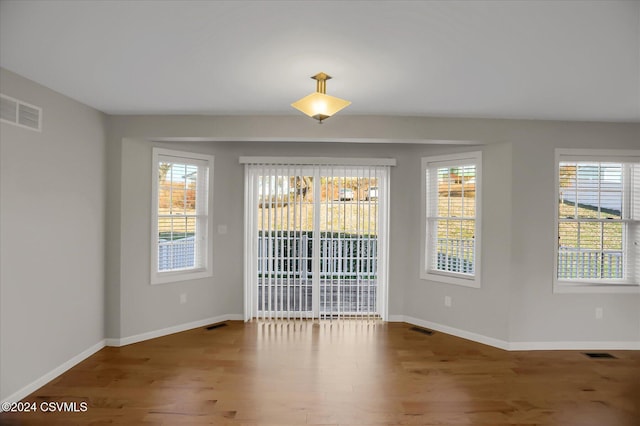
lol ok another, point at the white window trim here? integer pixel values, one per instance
(449, 277)
(585, 285)
(188, 274)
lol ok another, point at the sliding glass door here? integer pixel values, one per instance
(315, 236)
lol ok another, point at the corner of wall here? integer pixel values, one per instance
(112, 229)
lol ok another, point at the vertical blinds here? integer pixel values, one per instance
(283, 229)
(349, 236)
(313, 241)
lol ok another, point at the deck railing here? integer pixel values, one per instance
(576, 263)
(176, 254)
(348, 273)
(455, 255)
(341, 256)
(289, 255)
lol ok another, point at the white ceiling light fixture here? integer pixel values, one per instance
(319, 105)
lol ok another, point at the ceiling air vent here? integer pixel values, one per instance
(14, 111)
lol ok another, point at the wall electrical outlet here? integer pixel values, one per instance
(183, 298)
(447, 301)
(599, 313)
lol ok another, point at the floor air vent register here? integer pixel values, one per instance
(214, 326)
(598, 355)
(422, 330)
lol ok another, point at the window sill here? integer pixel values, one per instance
(171, 277)
(587, 288)
(473, 282)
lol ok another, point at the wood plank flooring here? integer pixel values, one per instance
(339, 373)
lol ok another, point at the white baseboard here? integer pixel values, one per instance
(396, 318)
(234, 317)
(43, 380)
(171, 330)
(574, 346)
(517, 346)
(475, 337)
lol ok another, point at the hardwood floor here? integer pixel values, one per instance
(339, 373)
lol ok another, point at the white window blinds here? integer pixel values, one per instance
(598, 212)
(181, 214)
(452, 212)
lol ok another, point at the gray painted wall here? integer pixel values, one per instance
(52, 242)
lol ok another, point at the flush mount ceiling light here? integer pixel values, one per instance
(319, 105)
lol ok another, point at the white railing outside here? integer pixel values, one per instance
(348, 273)
(176, 254)
(455, 255)
(286, 255)
(576, 263)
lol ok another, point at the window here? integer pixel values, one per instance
(452, 213)
(182, 225)
(598, 217)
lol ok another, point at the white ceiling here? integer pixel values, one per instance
(558, 60)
